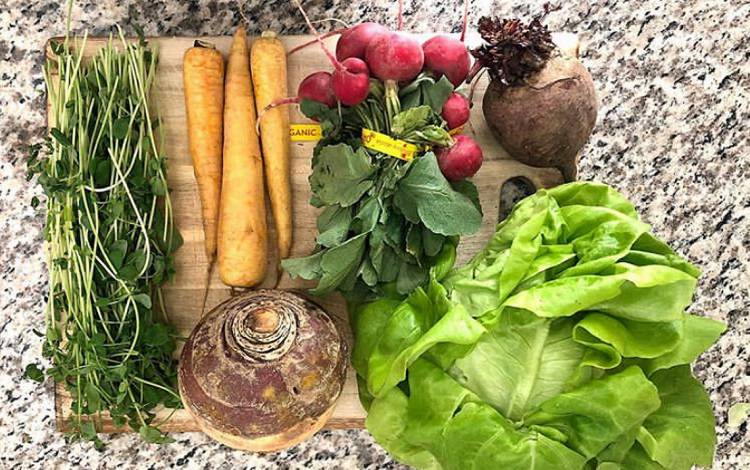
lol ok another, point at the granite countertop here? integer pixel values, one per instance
(674, 86)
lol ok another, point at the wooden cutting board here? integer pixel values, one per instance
(184, 293)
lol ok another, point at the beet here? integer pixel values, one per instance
(546, 122)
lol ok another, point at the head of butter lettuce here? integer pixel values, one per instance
(563, 345)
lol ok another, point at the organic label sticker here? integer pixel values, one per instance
(388, 145)
(305, 132)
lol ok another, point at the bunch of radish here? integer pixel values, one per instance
(368, 51)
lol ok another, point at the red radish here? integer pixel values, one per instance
(317, 87)
(460, 160)
(455, 110)
(444, 55)
(350, 86)
(395, 56)
(354, 41)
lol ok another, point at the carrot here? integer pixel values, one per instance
(269, 80)
(203, 77)
(242, 219)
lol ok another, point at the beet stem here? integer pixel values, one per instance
(322, 36)
(475, 68)
(473, 87)
(336, 64)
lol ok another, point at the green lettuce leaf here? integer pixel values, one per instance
(698, 335)
(563, 344)
(521, 362)
(599, 412)
(415, 326)
(680, 433)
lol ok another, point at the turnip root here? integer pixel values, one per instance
(262, 371)
(540, 103)
(461, 160)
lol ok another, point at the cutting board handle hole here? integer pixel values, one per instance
(512, 191)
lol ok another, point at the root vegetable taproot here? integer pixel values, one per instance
(263, 370)
(269, 70)
(203, 77)
(242, 222)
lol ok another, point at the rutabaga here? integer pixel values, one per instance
(563, 345)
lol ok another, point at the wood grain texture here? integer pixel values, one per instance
(184, 293)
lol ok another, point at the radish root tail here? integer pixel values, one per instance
(314, 30)
(209, 275)
(275, 104)
(465, 20)
(473, 87)
(310, 43)
(400, 19)
(475, 68)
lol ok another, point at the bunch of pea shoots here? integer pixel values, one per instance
(109, 238)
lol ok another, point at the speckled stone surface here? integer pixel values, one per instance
(673, 79)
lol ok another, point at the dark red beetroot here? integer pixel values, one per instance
(461, 160)
(317, 87)
(395, 56)
(456, 110)
(354, 41)
(351, 84)
(444, 55)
